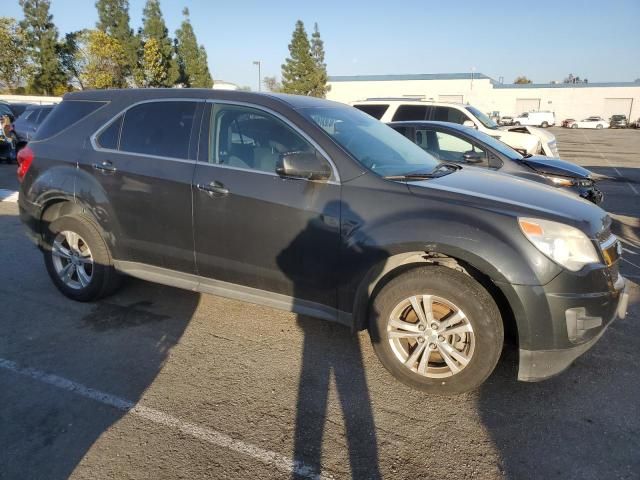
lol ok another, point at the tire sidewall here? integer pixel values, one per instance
(101, 259)
(466, 294)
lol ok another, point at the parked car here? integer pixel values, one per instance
(536, 119)
(506, 120)
(18, 108)
(5, 109)
(455, 143)
(590, 122)
(27, 124)
(523, 138)
(7, 139)
(313, 206)
(566, 123)
(618, 121)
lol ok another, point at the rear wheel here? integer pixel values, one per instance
(78, 260)
(544, 124)
(598, 127)
(437, 330)
(517, 124)
(575, 125)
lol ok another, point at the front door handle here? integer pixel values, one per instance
(105, 167)
(215, 189)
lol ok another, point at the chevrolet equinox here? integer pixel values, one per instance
(315, 207)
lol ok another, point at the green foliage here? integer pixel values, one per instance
(299, 69)
(521, 80)
(14, 63)
(153, 27)
(317, 52)
(113, 19)
(192, 59)
(154, 73)
(41, 45)
(304, 71)
(74, 56)
(106, 61)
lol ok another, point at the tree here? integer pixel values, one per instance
(74, 56)
(106, 61)
(192, 59)
(272, 84)
(153, 26)
(521, 80)
(153, 71)
(320, 88)
(41, 45)
(113, 19)
(14, 62)
(299, 69)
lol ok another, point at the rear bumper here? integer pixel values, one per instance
(583, 327)
(30, 217)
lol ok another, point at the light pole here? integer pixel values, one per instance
(257, 62)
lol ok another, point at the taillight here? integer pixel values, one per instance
(25, 158)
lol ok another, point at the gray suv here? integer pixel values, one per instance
(315, 207)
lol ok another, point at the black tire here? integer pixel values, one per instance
(517, 124)
(104, 278)
(544, 125)
(458, 289)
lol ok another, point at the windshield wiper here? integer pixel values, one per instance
(443, 168)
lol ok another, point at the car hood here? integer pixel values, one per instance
(555, 166)
(505, 193)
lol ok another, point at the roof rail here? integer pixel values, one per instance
(400, 99)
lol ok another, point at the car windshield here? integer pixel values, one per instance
(372, 143)
(483, 118)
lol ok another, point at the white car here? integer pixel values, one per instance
(590, 122)
(525, 139)
(538, 119)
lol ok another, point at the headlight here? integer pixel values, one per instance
(560, 181)
(563, 244)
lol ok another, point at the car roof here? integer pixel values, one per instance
(133, 95)
(407, 101)
(427, 123)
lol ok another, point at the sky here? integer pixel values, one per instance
(543, 40)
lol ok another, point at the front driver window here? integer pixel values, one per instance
(248, 138)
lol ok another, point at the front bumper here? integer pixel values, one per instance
(578, 322)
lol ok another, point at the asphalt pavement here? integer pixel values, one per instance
(156, 382)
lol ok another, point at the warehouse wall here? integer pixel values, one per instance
(567, 102)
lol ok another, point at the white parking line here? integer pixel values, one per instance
(8, 196)
(609, 163)
(201, 433)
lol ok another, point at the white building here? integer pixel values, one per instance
(566, 100)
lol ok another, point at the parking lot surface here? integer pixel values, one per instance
(157, 382)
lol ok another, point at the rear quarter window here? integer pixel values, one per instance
(65, 115)
(376, 111)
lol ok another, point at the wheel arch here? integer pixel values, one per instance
(393, 266)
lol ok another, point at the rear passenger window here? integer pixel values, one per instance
(448, 114)
(376, 111)
(158, 128)
(111, 135)
(251, 139)
(44, 113)
(64, 115)
(410, 112)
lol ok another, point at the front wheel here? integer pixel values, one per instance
(78, 260)
(544, 125)
(598, 127)
(517, 124)
(574, 126)
(437, 330)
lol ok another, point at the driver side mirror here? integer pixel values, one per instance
(303, 165)
(469, 123)
(472, 157)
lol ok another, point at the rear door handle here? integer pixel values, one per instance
(214, 189)
(105, 167)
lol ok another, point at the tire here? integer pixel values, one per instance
(453, 295)
(574, 125)
(517, 124)
(544, 125)
(78, 260)
(598, 127)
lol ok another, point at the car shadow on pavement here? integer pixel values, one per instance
(117, 346)
(339, 357)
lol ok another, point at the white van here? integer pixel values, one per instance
(536, 119)
(525, 139)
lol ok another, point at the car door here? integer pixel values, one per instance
(144, 160)
(254, 228)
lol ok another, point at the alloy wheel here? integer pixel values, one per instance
(72, 260)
